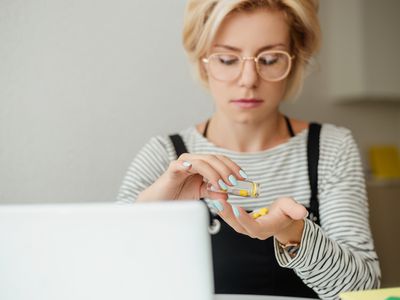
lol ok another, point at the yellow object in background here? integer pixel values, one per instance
(384, 162)
(380, 294)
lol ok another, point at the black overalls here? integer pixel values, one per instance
(243, 265)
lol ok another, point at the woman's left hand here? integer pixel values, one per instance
(284, 220)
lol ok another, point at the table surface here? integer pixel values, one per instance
(253, 297)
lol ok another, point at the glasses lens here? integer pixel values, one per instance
(273, 66)
(224, 67)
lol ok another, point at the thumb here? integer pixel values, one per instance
(179, 169)
(292, 209)
(206, 193)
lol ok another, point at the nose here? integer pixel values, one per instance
(249, 77)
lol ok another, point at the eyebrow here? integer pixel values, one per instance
(231, 48)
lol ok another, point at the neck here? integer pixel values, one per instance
(247, 136)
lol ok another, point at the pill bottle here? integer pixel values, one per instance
(243, 189)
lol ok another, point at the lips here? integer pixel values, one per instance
(247, 103)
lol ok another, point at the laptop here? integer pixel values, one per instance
(105, 251)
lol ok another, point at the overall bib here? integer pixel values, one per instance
(243, 265)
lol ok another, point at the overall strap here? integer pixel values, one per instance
(179, 145)
(312, 158)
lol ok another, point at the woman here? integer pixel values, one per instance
(252, 55)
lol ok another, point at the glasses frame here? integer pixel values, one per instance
(255, 59)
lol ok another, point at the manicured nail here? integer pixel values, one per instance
(222, 184)
(235, 211)
(186, 164)
(218, 205)
(232, 180)
(213, 188)
(243, 174)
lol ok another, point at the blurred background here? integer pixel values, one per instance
(84, 84)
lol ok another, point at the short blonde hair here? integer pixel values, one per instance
(204, 17)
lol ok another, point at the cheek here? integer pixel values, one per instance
(273, 91)
(219, 90)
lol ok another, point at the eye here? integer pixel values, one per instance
(227, 59)
(269, 59)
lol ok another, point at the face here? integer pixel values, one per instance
(248, 34)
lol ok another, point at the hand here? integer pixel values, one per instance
(187, 177)
(285, 220)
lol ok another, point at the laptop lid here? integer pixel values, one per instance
(105, 251)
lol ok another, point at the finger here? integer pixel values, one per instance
(200, 166)
(251, 226)
(179, 169)
(292, 209)
(229, 176)
(237, 171)
(227, 214)
(206, 193)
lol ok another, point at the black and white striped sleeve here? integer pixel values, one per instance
(338, 256)
(148, 165)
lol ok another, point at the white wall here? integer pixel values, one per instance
(83, 84)
(376, 122)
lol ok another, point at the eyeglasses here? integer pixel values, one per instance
(273, 65)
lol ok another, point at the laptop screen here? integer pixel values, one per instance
(105, 251)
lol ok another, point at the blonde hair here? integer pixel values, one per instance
(204, 17)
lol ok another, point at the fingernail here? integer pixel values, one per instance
(232, 180)
(243, 174)
(186, 164)
(213, 188)
(218, 205)
(235, 211)
(222, 184)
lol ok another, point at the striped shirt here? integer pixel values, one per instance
(334, 257)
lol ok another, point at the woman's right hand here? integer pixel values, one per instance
(187, 178)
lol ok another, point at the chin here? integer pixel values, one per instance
(247, 118)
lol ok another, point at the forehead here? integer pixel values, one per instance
(253, 30)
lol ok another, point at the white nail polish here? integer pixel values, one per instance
(186, 164)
